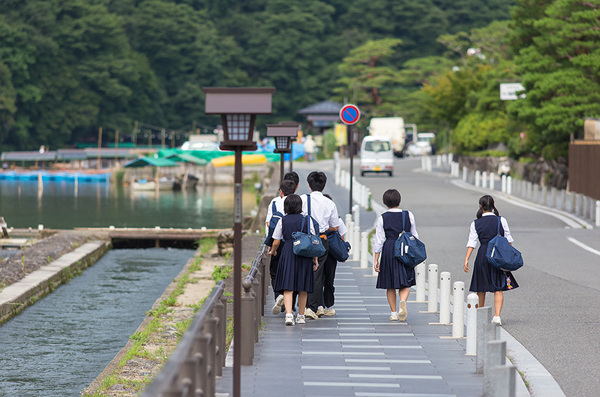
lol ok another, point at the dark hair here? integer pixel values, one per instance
(328, 196)
(316, 181)
(486, 204)
(292, 204)
(287, 187)
(292, 176)
(391, 198)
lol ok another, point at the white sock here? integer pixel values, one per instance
(394, 313)
(320, 307)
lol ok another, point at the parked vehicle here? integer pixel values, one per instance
(391, 128)
(376, 155)
(423, 146)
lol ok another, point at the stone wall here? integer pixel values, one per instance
(551, 173)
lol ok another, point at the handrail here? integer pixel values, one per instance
(200, 355)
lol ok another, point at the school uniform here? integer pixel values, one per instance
(392, 273)
(274, 263)
(487, 278)
(295, 273)
(329, 268)
(325, 212)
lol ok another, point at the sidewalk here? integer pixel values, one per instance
(358, 352)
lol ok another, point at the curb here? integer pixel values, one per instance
(36, 285)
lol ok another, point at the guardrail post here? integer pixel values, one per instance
(356, 215)
(266, 280)
(472, 305)
(211, 359)
(356, 236)
(246, 345)
(458, 314)
(258, 305)
(364, 250)
(445, 283)
(201, 381)
(420, 271)
(484, 319)
(432, 299)
(220, 335)
(502, 381)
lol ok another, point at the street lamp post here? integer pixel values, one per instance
(295, 123)
(283, 134)
(238, 108)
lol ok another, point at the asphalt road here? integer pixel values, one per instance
(555, 312)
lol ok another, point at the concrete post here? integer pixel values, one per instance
(509, 187)
(420, 270)
(495, 354)
(484, 318)
(364, 250)
(438, 161)
(472, 305)
(445, 282)
(432, 300)
(350, 234)
(598, 213)
(356, 236)
(458, 314)
(246, 344)
(423, 166)
(477, 177)
(544, 198)
(553, 197)
(503, 183)
(502, 381)
(484, 181)
(429, 164)
(356, 215)
(465, 172)
(492, 181)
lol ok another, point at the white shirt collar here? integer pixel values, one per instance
(488, 214)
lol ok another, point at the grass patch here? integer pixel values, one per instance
(222, 273)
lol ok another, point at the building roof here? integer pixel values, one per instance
(28, 156)
(151, 161)
(325, 107)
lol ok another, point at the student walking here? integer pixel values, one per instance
(329, 268)
(295, 273)
(286, 187)
(487, 278)
(393, 275)
(325, 213)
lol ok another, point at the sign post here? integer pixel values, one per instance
(349, 115)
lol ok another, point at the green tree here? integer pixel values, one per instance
(559, 60)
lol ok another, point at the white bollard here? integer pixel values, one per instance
(364, 250)
(420, 270)
(350, 233)
(477, 178)
(503, 179)
(445, 283)
(472, 305)
(484, 179)
(509, 185)
(492, 181)
(458, 313)
(432, 299)
(438, 161)
(465, 172)
(356, 236)
(598, 213)
(423, 166)
(356, 215)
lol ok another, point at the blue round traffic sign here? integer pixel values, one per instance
(349, 114)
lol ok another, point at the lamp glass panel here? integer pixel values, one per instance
(282, 142)
(238, 127)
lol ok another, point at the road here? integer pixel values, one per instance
(555, 312)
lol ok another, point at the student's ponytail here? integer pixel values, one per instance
(486, 204)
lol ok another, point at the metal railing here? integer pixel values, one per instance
(200, 356)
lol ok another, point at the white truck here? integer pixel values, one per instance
(391, 128)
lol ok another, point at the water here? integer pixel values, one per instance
(103, 205)
(58, 346)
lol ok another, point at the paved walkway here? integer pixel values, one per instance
(358, 352)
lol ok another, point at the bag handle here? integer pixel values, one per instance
(499, 221)
(404, 214)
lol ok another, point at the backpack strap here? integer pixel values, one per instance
(499, 222)
(315, 224)
(274, 207)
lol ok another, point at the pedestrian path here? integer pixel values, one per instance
(359, 351)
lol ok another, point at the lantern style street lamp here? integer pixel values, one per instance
(238, 108)
(283, 134)
(297, 124)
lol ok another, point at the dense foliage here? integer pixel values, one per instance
(68, 67)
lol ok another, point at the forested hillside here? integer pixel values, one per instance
(68, 67)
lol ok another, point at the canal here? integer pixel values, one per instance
(60, 206)
(58, 346)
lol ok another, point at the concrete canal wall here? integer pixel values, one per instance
(17, 296)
